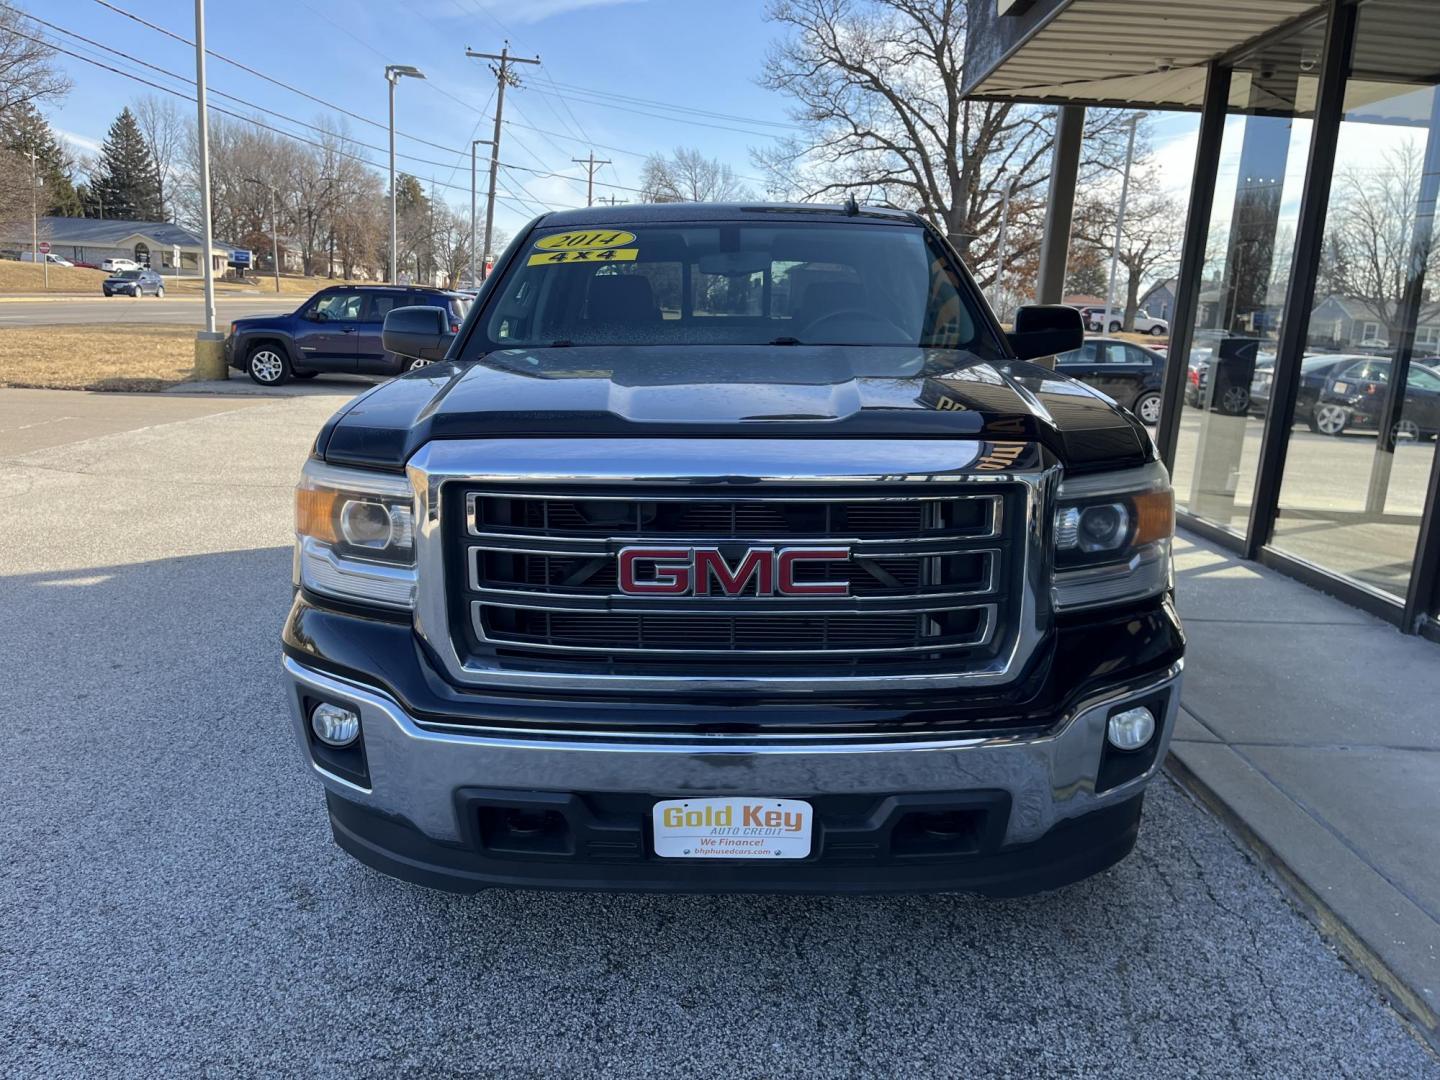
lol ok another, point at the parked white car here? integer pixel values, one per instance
(1144, 323)
(50, 257)
(116, 265)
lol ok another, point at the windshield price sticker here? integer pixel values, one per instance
(733, 828)
(583, 255)
(586, 239)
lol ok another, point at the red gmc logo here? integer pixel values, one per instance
(683, 571)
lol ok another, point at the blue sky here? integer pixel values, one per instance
(695, 53)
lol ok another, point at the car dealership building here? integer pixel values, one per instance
(1310, 233)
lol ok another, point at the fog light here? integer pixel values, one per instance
(336, 726)
(1131, 729)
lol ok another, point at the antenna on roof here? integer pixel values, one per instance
(852, 207)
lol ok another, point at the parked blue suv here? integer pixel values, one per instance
(337, 330)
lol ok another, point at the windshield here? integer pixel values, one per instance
(733, 284)
(130, 275)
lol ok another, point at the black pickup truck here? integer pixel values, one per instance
(734, 548)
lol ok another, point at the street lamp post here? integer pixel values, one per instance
(393, 74)
(474, 143)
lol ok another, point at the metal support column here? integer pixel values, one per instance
(1192, 257)
(1305, 263)
(1060, 208)
(1423, 596)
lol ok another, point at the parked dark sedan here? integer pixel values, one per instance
(337, 329)
(1315, 372)
(1129, 373)
(1354, 397)
(134, 283)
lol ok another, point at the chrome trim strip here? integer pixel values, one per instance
(879, 549)
(983, 638)
(598, 601)
(932, 466)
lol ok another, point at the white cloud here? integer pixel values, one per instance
(80, 144)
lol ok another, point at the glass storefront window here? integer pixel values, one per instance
(1368, 408)
(1247, 268)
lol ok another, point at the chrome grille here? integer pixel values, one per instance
(933, 577)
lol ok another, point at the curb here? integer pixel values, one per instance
(1412, 1009)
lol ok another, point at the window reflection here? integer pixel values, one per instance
(1359, 457)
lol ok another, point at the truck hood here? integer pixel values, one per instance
(280, 321)
(734, 391)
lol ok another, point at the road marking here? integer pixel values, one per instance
(42, 423)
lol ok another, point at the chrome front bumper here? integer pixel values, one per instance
(415, 770)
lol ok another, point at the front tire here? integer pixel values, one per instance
(1147, 408)
(160, 293)
(1115, 328)
(267, 366)
(1235, 401)
(1331, 419)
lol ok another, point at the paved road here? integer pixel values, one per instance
(171, 903)
(182, 310)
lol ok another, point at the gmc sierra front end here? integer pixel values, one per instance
(735, 548)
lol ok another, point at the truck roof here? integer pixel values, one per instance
(660, 213)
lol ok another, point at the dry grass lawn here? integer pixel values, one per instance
(24, 277)
(125, 357)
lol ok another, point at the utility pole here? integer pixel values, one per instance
(203, 131)
(591, 165)
(503, 76)
(474, 281)
(35, 219)
(274, 230)
(393, 74)
(1120, 226)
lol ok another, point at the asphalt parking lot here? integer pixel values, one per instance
(105, 311)
(171, 903)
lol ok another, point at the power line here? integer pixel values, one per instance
(507, 197)
(671, 106)
(261, 75)
(232, 97)
(659, 116)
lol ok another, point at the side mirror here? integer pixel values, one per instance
(311, 315)
(1046, 329)
(421, 332)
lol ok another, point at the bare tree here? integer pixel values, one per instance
(877, 83)
(27, 66)
(689, 176)
(1371, 232)
(1149, 238)
(167, 134)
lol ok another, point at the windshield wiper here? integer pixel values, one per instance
(787, 341)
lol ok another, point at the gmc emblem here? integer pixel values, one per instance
(683, 571)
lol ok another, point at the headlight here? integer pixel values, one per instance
(1112, 537)
(355, 535)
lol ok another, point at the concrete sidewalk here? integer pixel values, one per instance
(1312, 729)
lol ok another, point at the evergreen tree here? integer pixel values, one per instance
(126, 183)
(24, 130)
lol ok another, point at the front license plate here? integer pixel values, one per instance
(733, 828)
